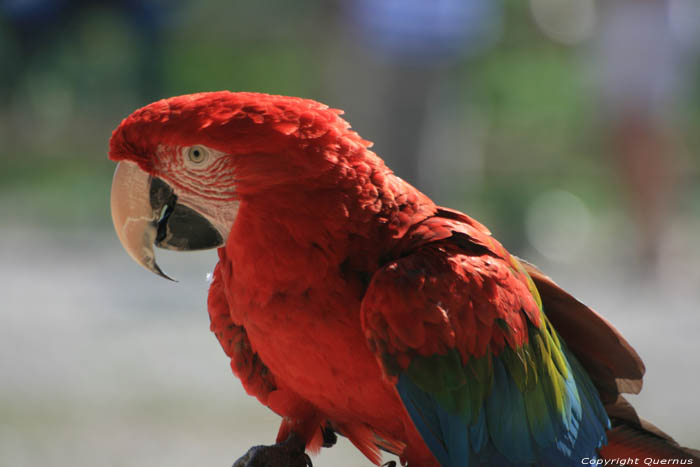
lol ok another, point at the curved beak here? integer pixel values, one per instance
(135, 218)
(146, 212)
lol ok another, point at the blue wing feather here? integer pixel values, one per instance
(478, 433)
(512, 428)
(507, 419)
(428, 417)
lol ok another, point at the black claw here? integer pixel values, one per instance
(389, 464)
(329, 437)
(289, 453)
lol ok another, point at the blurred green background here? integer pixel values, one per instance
(525, 123)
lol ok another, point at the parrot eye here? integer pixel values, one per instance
(197, 154)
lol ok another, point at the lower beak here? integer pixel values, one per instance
(145, 213)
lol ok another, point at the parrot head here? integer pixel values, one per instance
(186, 163)
(149, 210)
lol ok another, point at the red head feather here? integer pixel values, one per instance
(237, 124)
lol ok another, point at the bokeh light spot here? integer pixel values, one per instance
(567, 21)
(558, 225)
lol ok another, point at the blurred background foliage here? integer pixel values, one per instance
(72, 72)
(517, 115)
(67, 87)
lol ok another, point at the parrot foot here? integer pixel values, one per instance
(289, 453)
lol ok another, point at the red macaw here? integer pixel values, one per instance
(350, 303)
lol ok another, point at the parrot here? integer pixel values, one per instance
(350, 304)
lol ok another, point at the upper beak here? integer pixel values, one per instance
(135, 218)
(145, 212)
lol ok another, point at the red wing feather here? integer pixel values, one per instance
(632, 436)
(627, 441)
